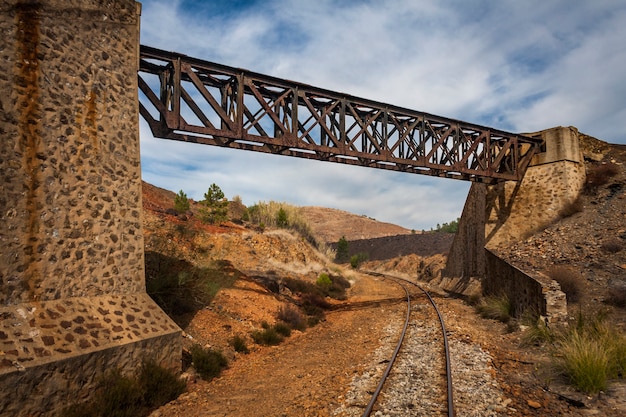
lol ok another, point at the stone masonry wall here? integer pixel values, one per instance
(72, 288)
(70, 201)
(498, 215)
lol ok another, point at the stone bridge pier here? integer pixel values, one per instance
(72, 288)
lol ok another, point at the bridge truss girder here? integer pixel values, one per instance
(196, 101)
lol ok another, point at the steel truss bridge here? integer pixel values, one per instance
(192, 100)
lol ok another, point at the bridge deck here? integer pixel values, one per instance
(192, 100)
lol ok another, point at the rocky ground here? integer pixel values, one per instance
(329, 368)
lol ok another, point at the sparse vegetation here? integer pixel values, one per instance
(239, 344)
(275, 214)
(269, 336)
(207, 362)
(119, 395)
(599, 175)
(292, 317)
(214, 206)
(496, 308)
(571, 281)
(178, 286)
(591, 353)
(451, 227)
(358, 259)
(324, 281)
(617, 296)
(181, 202)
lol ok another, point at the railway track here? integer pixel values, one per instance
(414, 291)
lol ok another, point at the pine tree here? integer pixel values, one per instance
(342, 250)
(181, 203)
(215, 205)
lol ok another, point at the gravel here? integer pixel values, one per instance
(416, 386)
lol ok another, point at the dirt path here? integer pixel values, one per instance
(307, 375)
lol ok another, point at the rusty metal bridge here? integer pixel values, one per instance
(192, 100)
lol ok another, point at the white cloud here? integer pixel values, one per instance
(520, 66)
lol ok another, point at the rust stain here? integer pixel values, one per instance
(90, 119)
(29, 127)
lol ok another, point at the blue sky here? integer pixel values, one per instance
(519, 66)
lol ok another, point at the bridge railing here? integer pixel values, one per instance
(191, 100)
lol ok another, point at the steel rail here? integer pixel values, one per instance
(369, 407)
(450, 395)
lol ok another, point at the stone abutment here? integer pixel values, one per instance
(72, 288)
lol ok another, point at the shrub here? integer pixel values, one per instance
(207, 362)
(181, 203)
(239, 344)
(358, 259)
(537, 332)
(617, 296)
(571, 281)
(281, 218)
(268, 337)
(282, 329)
(591, 353)
(338, 287)
(292, 317)
(324, 281)
(118, 395)
(271, 214)
(496, 308)
(314, 305)
(160, 385)
(585, 362)
(600, 175)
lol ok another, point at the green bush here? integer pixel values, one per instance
(207, 362)
(239, 344)
(324, 281)
(358, 259)
(281, 218)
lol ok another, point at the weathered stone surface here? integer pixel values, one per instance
(72, 286)
(499, 215)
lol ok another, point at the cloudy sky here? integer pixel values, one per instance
(519, 66)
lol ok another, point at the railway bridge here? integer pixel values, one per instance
(72, 289)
